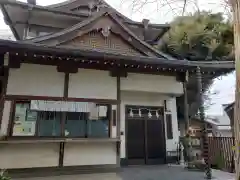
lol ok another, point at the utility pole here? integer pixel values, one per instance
(235, 4)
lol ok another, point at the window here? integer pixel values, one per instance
(28, 122)
(88, 124)
(47, 121)
(98, 124)
(169, 126)
(76, 124)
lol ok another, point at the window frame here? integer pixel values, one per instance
(169, 125)
(63, 119)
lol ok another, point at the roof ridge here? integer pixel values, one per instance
(65, 3)
(56, 5)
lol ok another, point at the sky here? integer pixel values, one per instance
(158, 11)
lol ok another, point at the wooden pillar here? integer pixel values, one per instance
(63, 120)
(4, 81)
(204, 125)
(118, 123)
(186, 106)
(2, 71)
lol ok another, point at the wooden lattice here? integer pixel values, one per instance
(222, 147)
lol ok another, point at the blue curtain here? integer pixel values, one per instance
(98, 128)
(50, 124)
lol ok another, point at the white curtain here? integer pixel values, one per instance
(39, 105)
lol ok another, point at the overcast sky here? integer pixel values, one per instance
(162, 12)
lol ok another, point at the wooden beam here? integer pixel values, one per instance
(63, 121)
(118, 72)
(181, 76)
(66, 85)
(51, 98)
(11, 118)
(72, 66)
(14, 61)
(4, 82)
(61, 154)
(110, 123)
(67, 67)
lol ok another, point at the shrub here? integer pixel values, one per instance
(3, 175)
(219, 161)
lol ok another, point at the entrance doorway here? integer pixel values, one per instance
(145, 135)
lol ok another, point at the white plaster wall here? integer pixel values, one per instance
(114, 128)
(5, 117)
(151, 83)
(90, 154)
(28, 155)
(94, 84)
(114, 132)
(36, 80)
(171, 144)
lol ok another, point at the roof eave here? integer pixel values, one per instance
(10, 24)
(41, 8)
(187, 65)
(229, 107)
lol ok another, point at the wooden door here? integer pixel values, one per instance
(135, 141)
(145, 137)
(155, 142)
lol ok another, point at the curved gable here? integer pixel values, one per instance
(95, 40)
(103, 21)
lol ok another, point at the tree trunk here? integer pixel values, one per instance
(236, 15)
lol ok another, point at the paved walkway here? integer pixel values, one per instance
(144, 173)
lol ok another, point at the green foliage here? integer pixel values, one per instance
(219, 161)
(201, 36)
(3, 175)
